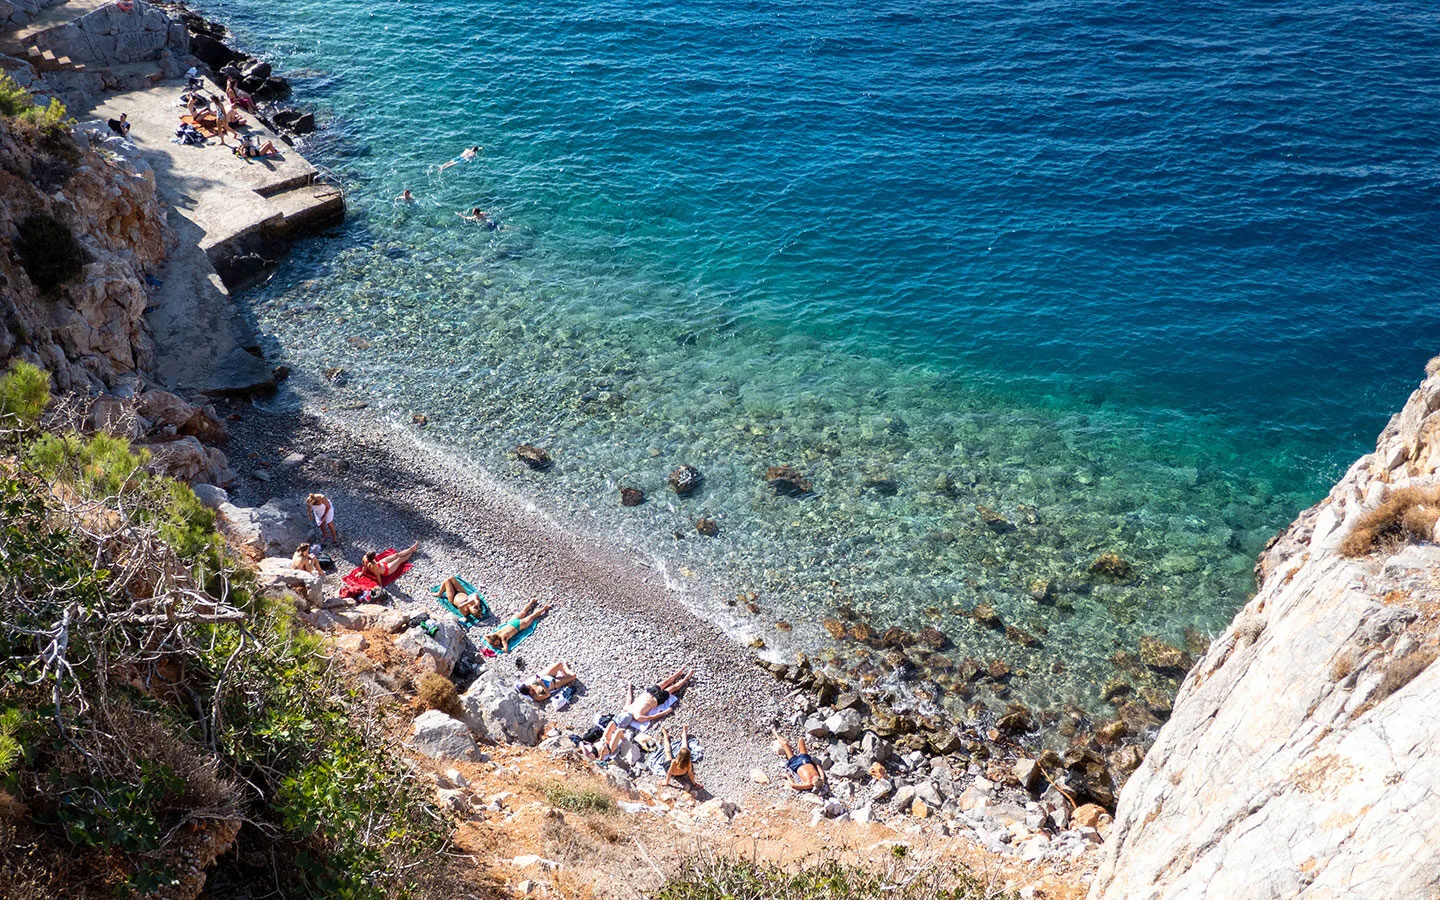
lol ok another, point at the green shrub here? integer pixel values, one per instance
(24, 394)
(48, 119)
(10, 748)
(743, 879)
(49, 252)
(14, 99)
(101, 468)
(562, 796)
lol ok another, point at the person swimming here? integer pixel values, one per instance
(405, 197)
(463, 157)
(480, 217)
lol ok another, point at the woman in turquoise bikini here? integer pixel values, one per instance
(500, 638)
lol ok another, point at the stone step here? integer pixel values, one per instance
(47, 61)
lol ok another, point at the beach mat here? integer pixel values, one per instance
(357, 582)
(208, 130)
(466, 620)
(490, 652)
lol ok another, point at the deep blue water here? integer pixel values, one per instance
(1139, 276)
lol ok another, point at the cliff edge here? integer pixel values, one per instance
(1298, 761)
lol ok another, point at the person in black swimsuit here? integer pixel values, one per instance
(805, 773)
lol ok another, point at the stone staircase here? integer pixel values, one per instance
(45, 61)
(83, 48)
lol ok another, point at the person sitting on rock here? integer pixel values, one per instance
(469, 604)
(655, 702)
(305, 561)
(500, 638)
(805, 774)
(120, 126)
(543, 685)
(381, 569)
(323, 512)
(239, 98)
(680, 765)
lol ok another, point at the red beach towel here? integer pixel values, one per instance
(357, 582)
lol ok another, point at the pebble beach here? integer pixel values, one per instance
(614, 617)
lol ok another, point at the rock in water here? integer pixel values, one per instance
(1110, 565)
(994, 521)
(1158, 654)
(708, 527)
(533, 456)
(631, 496)
(788, 481)
(686, 480)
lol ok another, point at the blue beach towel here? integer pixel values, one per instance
(467, 621)
(491, 652)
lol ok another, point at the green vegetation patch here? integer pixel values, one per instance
(721, 878)
(149, 699)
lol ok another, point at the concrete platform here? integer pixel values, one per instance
(217, 200)
(228, 197)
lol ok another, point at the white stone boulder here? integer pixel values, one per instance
(440, 737)
(271, 529)
(845, 724)
(493, 709)
(440, 650)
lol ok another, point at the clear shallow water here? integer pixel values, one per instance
(1138, 278)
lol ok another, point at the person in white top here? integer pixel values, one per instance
(323, 512)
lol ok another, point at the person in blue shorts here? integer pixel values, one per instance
(463, 157)
(805, 773)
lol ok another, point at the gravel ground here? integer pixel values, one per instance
(613, 617)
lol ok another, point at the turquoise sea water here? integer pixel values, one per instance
(1138, 277)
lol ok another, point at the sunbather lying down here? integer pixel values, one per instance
(655, 702)
(469, 604)
(501, 637)
(541, 686)
(804, 773)
(381, 568)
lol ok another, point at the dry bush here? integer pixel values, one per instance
(1407, 514)
(1342, 667)
(438, 692)
(1402, 671)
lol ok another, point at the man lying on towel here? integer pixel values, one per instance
(655, 702)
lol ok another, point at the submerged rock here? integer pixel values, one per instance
(631, 496)
(986, 615)
(1158, 654)
(788, 481)
(708, 527)
(685, 480)
(994, 521)
(534, 457)
(1110, 565)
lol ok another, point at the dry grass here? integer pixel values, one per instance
(737, 878)
(438, 692)
(1402, 671)
(1342, 667)
(1407, 514)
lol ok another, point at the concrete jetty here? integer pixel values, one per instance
(230, 214)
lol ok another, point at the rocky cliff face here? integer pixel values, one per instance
(90, 333)
(1301, 758)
